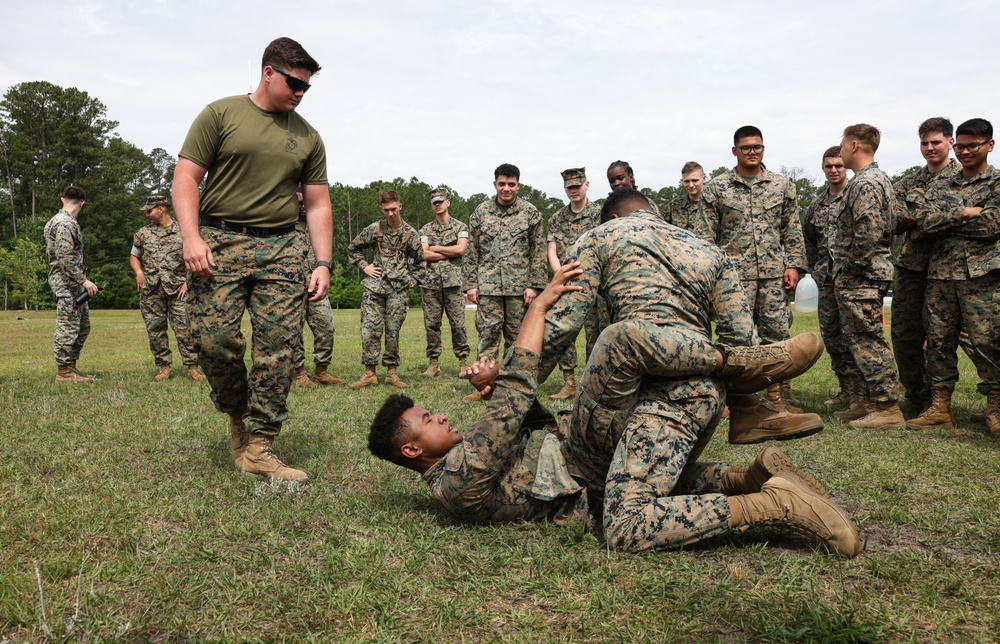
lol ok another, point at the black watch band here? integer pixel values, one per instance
(328, 265)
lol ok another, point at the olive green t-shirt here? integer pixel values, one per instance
(255, 161)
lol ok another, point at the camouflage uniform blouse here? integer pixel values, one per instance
(509, 466)
(911, 199)
(397, 252)
(861, 246)
(818, 229)
(445, 273)
(161, 253)
(64, 255)
(566, 226)
(506, 252)
(684, 213)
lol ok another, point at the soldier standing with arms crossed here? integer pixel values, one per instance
(157, 259)
(243, 251)
(444, 241)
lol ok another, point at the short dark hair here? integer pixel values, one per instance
(936, 124)
(507, 170)
(388, 428)
(746, 131)
(867, 135)
(74, 193)
(388, 196)
(976, 127)
(286, 54)
(624, 197)
(832, 151)
(690, 167)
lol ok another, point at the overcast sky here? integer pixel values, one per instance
(446, 90)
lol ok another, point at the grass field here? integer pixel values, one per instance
(123, 519)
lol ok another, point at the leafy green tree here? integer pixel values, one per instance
(24, 274)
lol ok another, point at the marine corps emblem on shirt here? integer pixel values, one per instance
(292, 143)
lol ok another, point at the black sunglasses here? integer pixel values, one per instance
(294, 84)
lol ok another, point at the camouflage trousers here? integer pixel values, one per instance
(435, 303)
(496, 315)
(859, 302)
(909, 332)
(833, 335)
(72, 329)
(625, 355)
(768, 303)
(976, 304)
(593, 324)
(382, 312)
(262, 275)
(658, 495)
(157, 308)
(319, 317)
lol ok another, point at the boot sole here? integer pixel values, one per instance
(854, 547)
(910, 425)
(754, 436)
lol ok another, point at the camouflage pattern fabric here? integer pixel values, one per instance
(435, 303)
(495, 317)
(445, 273)
(768, 302)
(908, 330)
(64, 255)
(264, 275)
(658, 494)
(72, 329)
(565, 227)
(509, 465)
(757, 224)
(161, 253)
(319, 314)
(382, 312)
(859, 301)
(397, 252)
(964, 280)
(506, 252)
(830, 327)
(442, 289)
(684, 212)
(863, 235)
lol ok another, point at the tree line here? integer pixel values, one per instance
(51, 137)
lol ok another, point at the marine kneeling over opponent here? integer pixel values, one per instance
(512, 464)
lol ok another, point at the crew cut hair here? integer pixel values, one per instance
(690, 167)
(867, 135)
(936, 124)
(977, 128)
(832, 151)
(746, 131)
(74, 193)
(507, 170)
(388, 429)
(618, 199)
(286, 54)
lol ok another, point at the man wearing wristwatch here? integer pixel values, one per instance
(243, 251)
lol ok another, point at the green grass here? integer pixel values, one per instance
(122, 518)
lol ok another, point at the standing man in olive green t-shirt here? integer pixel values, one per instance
(243, 251)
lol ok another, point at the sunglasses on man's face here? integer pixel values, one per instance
(294, 84)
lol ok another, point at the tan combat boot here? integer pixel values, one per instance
(993, 413)
(68, 374)
(369, 379)
(80, 374)
(165, 373)
(259, 459)
(568, 391)
(842, 399)
(433, 370)
(859, 405)
(776, 397)
(785, 504)
(770, 462)
(392, 378)
(750, 369)
(238, 437)
(302, 378)
(752, 420)
(463, 367)
(938, 415)
(884, 415)
(321, 377)
(194, 373)
(475, 396)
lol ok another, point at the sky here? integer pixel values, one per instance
(447, 90)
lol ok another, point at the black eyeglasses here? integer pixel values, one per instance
(294, 84)
(747, 149)
(971, 147)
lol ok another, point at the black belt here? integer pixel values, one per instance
(253, 231)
